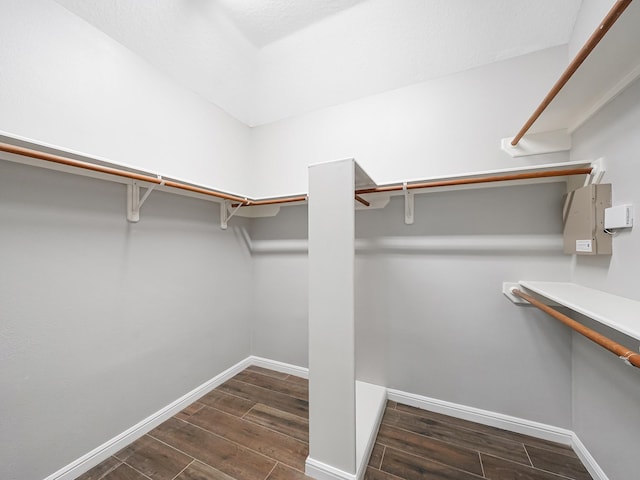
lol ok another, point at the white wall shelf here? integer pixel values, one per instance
(608, 70)
(620, 313)
(375, 196)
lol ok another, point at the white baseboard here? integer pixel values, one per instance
(279, 366)
(371, 401)
(506, 422)
(587, 459)
(322, 471)
(315, 468)
(104, 451)
(485, 417)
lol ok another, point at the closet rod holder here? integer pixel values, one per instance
(625, 354)
(581, 56)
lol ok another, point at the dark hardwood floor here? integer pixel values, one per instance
(255, 427)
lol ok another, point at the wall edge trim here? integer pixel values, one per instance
(108, 448)
(587, 459)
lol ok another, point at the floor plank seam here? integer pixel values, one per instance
(230, 395)
(225, 439)
(457, 445)
(134, 468)
(271, 471)
(244, 447)
(439, 462)
(528, 456)
(245, 413)
(180, 472)
(569, 451)
(484, 475)
(270, 389)
(251, 422)
(274, 431)
(193, 459)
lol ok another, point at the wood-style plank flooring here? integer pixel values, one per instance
(255, 427)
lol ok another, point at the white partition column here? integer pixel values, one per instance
(332, 421)
(344, 414)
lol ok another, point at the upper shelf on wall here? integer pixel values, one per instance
(607, 64)
(367, 193)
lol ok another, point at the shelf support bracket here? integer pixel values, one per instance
(135, 201)
(408, 204)
(538, 143)
(225, 215)
(597, 173)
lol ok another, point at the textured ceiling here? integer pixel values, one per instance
(264, 60)
(264, 21)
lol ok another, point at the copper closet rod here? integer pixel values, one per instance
(582, 55)
(474, 180)
(48, 157)
(620, 350)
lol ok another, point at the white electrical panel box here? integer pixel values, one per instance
(583, 216)
(618, 217)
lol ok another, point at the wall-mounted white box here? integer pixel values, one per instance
(620, 216)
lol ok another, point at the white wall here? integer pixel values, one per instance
(105, 322)
(281, 278)
(379, 45)
(444, 126)
(65, 83)
(606, 393)
(433, 321)
(191, 42)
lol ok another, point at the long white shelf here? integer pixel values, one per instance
(620, 313)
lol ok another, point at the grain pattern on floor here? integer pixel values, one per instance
(255, 427)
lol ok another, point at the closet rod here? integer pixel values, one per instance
(614, 347)
(362, 201)
(48, 157)
(584, 52)
(275, 201)
(298, 198)
(470, 181)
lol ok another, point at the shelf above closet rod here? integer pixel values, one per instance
(626, 354)
(107, 172)
(595, 38)
(477, 180)
(157, 180)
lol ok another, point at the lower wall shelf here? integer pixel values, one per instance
(620, 313)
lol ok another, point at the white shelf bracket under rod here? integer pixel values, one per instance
(135, 201)
(408, 204)
(226, 215)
